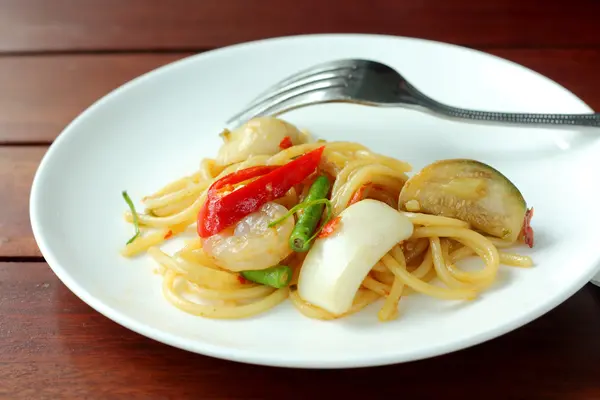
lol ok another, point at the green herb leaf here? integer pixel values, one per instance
(135, 216)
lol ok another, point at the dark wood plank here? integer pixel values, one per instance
(42, 94)
(67, 25)
(17, 168)
(54, 346)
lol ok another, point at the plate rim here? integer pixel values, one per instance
(242, 355)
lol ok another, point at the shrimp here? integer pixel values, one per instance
(259, 136)
(251, 244)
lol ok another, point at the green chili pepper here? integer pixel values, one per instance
(303, 206)
(278, 276)
(134, 214)
(301, 236)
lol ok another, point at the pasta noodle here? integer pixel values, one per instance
(426, 263)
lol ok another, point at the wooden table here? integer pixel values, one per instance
(57, 57)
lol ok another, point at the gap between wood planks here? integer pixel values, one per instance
(22, 259)
(83, 52)
(197, 50)
(11, 143)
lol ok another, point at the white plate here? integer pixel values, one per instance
(159, 126)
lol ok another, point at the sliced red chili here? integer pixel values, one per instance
(285, 143)
(168, 234)
(222, 210)
(360, 194)
(228, 181)
(527, 231)
(329, 228)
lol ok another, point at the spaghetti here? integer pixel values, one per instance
(197, 280)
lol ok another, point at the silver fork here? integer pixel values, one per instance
(375, 84)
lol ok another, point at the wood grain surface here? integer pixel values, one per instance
(17, 168)
(48, 333)
(100, 25)
(57, 57)
(42, 94)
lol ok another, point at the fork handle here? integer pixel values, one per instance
(419, 98)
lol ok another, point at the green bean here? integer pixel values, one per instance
(278, 276)
(300, 239)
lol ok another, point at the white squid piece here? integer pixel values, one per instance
(336, 265)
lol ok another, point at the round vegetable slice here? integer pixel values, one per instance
(471, 191)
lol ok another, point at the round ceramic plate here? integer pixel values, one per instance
(158, 127)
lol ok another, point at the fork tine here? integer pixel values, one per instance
(312, 91)
(303, 82)
(305, 99)
(330, 68)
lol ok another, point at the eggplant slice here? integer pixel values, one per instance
(471, 191)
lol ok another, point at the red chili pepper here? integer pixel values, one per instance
(329, 228)
(242, 280)
(285, 143)
(168, 234)
(222, 210)
(227, 182)
(527, 231)
(359, 194)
